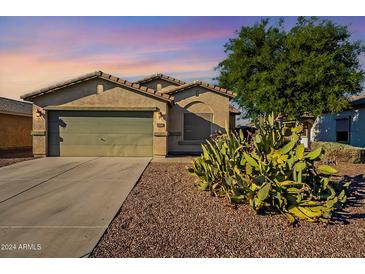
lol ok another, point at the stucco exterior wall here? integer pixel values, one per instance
(153, 84)
(15, 131)
(85, 95)
(195, 100)
(324, 128)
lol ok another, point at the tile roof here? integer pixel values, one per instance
(14, 106)
(101, 75)
(223, 91)
(234, 110)
(161, 76)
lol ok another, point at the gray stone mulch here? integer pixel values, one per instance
(166, 216)
(14, 156)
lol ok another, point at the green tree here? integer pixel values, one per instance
(312, 67)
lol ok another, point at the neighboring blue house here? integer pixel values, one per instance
(346, 127)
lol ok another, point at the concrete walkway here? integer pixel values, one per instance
(60, 207)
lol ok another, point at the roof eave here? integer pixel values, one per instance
(234, 112)
(104, 76)
(223, 92)
(32, 95)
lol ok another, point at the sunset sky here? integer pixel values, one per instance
(37, 51)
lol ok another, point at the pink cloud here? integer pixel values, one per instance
(50, 53)
(56, 43)
(26, 72)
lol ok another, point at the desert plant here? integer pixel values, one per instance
(337, 152)
(221, 157)
(270, 172)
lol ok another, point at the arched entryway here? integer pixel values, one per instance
(198, 120)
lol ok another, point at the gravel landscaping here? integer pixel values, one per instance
(12, 157)
(166, 216)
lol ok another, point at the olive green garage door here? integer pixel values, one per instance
(100, 133)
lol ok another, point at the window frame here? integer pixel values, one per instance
(348, 118)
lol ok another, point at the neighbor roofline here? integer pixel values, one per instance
(14, 100)
(100, 75)
(357, 101)
(15, 113)
(161, 76)
(15, 107)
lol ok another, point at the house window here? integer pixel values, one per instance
(197, 126)
(343, 130)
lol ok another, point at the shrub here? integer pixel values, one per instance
(269, 172)
(336, 152)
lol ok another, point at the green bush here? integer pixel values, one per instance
(337, 152)
(270, 172)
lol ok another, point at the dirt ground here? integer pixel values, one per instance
(165, 215)
(15, 156)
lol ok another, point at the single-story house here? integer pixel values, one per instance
(346, 127)
(15, 125)
(99, 114)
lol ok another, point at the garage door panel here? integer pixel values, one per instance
(54, 115)
(102, 124)
(103, 150)
(102, 139)
(94, 133)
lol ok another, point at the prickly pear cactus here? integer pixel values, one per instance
(269, 172)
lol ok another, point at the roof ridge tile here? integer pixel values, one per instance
(203, 84)
(161, 76)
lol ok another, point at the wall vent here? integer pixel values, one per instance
(99, 88)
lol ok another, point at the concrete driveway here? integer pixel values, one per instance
(60, 207)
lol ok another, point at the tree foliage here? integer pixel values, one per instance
(312, 67)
